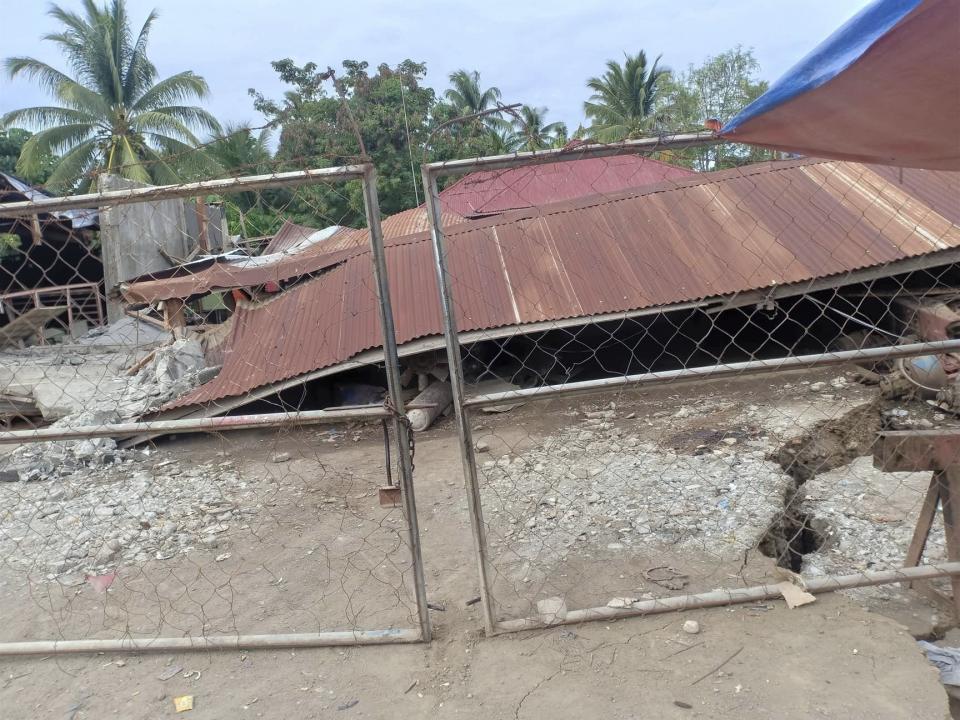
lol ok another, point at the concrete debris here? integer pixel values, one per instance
(552, 610)
(280, 457)
(435, 399)
(96, 391)
(174, 362)
(691, 627)
(603, 486)
(867, 518)
(125, 332)
(133, 510)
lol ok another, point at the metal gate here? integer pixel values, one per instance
(243, 533)
(665, 352)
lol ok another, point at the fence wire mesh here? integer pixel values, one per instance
(184, 304)
(652, 401)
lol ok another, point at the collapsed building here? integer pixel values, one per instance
(559, 275)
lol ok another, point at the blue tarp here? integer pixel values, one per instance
(831, 57)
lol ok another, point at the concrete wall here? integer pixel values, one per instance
(132, 236)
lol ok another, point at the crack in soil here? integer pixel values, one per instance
(830, 444)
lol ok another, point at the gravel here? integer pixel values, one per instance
(130, 511)
(702, 479)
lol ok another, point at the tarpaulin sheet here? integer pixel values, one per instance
(883, 88)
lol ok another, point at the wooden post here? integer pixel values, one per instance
(939, 451)
(173, 315)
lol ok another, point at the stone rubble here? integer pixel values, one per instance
(132, 510)
(106, 396)
(868, 518)
(602, 483)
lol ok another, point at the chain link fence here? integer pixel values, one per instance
(668, 387)
(165, 483)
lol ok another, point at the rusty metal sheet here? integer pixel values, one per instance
(289, 234)
(706, 236)
(488, 193)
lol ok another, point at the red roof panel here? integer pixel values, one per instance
(708, 236)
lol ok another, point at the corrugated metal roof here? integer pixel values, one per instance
(227, 272)
(489, 193)
(706, 236)
(289, 234)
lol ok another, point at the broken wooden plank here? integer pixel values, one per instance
(30, 323)
(924, 522)
(916, 450)
(950, 507)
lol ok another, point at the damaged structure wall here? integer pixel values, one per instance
(144, 237)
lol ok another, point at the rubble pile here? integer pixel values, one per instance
(97, 391)
(868, 516)
(132, 510)
(610, 481)
(592, 480)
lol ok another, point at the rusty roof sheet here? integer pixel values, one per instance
(492, 192)
(225, 272)
(707, 236)
(289, 234)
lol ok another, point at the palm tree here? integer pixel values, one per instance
(112, 115)
(466, 96)
(622, 104)
(238, 151)
(534, 132)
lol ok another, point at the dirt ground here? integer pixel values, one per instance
(836, 658)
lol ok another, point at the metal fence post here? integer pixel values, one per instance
(391, 362)
(456, 387)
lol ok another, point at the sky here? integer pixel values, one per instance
(536, 52)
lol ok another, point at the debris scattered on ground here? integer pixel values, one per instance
(608, 484)
(169, 672)
(691, 627)
(867, 517)
(552, 610)
(132, 510)
(183, 703)
(795, 596)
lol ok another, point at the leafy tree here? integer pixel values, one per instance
(239, 151)
(465, 95)
(113, 115)
(533, 132)
(11, 143)
(719, 88)
(328, 119)
(624, 98)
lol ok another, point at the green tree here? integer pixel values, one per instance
(533, 132)
(11, 144)
(624, 98)
(466, 96)
(718, 88)
(330, 118)
(466, 136)
(113, 115)
(238, 150)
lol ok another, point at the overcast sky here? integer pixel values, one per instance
(537, 52)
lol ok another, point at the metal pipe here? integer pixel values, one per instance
(192, 425)
(708, 372)
(163, 192)
(716, 598)
(212, 642)
(391, 363)
(540, 157)
(455, 366)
